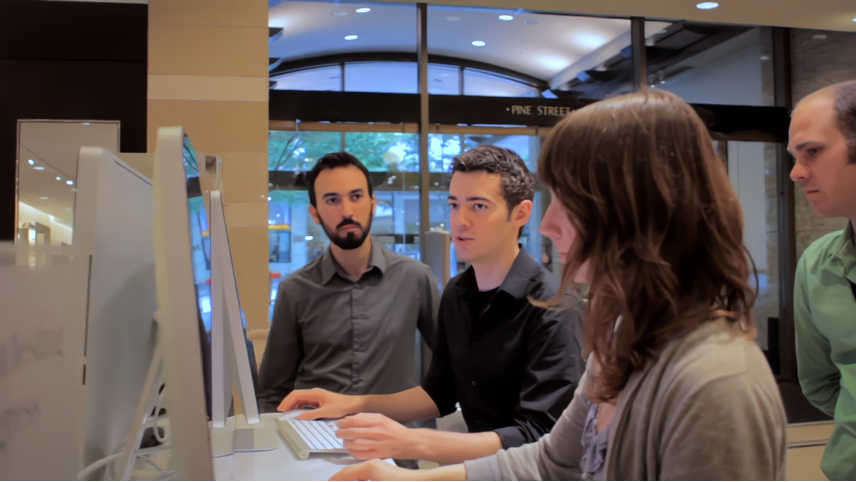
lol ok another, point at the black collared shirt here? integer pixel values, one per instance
(513, 369)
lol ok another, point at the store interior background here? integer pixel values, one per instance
(128, 68)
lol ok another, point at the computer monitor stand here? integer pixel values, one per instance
(147, 416)
(230, 364)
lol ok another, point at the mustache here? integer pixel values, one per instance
(347, 222)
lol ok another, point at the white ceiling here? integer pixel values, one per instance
(537, 45)
(814, 14)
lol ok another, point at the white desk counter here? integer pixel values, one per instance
(278, 464)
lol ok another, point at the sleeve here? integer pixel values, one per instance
(555, 456)
(439, 382)
(818, 376)
(429, 308)
(282, 356)
(553, 369)
(700, 427)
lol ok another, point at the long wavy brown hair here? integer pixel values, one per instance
(658, 222)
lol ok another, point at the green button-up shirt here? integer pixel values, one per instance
(825, 319)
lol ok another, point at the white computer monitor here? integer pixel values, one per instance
(112, 227)
(230, 361)
(178, 311)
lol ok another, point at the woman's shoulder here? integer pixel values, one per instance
(716, 352)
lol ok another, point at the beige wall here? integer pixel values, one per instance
(208, 72)
(817, 63)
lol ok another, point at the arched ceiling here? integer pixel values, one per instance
(537, 45)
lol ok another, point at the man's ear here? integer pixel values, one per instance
(374, 204)
(522, 212)
(314, 213)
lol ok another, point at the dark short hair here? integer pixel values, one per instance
(332, 161)
(517, 183)
(844, 97)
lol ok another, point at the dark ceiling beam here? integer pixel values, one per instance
(286, 66)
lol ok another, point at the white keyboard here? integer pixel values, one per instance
(306, 437)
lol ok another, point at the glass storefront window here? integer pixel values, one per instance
(393, 161)
(298, 151)
(752, 171)
(328, 77)
(732, 66)
(389, 77)
(477, 82)
(444, 79)
(385, 151)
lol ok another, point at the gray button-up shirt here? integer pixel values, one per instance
(352, 337)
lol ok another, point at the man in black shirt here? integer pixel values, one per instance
(511, 366)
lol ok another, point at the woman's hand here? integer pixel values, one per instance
(375, 470)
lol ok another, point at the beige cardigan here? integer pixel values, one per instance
(708, 408)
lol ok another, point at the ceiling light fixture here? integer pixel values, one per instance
(43, 198)
(58, 178)
(478, 43)
(69, 182)
(338, 13)
(364, 10)
(765, 58)
(707, 5)
(39, 168)
(32, 162)
(268, 198)
(506, 18)
(351, 37)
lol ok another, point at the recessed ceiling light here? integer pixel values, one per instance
(39, 168)
(338, 13)
(31, 162)
(268, 198)
(765, 58)
(507, 18)
(530, 22)
(364, 10)
(478, 43)
(453, 19)
(707, 5)
(69, 182)
(58, 178)
(43, 197)
(86, 123)
(854, 19)
(351, 37)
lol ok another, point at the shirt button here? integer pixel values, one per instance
(473, 382)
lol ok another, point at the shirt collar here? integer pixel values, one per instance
(844, 257)
(516, 283)
(329, 266)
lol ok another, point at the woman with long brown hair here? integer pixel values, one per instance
(675, 386)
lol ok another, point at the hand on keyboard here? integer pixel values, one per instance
(328, 404)
(371, 436)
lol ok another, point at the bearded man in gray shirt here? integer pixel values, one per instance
(347, 321)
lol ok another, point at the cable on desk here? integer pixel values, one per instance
(97, 465)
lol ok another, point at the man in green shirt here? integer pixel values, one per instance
(823, 141)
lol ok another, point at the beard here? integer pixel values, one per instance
(351, 239)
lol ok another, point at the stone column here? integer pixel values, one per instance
(208, 72)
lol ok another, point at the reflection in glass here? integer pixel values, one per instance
(752, 171)
(47, 176)
(478, 82)
(200, 240)
(387, 77)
